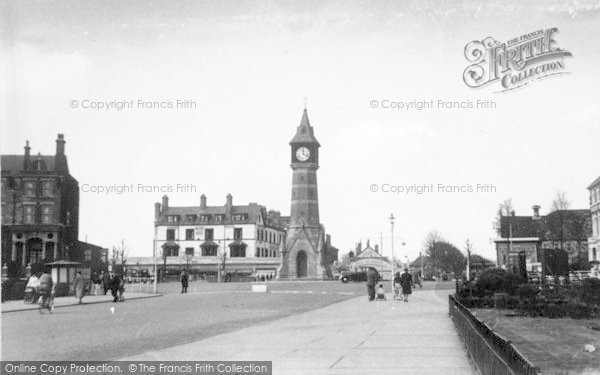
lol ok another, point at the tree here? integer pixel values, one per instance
(119, 256)
(444, 256)
(504, 209)
(560, 202)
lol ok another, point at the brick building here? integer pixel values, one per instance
(40, 212)
(535, 239)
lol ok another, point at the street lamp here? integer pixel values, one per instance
(391, 218)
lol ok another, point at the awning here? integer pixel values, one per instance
(208, 244)
(63, 263)
(238, 243)
(170, 244)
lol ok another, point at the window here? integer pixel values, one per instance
(87, 255)
(46, 214)
(189, 234)
(218, 217)
(237, 233)
(209, 251)
(191, 218)
(170, 234)
(172, 219)
(209, 234)
(29, 189)
(28, 214)
(189, 251)
(47, 189)
(171, 251)
(238, 251)
(205, 218)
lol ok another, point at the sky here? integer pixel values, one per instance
(250, 67)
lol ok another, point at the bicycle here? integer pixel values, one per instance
(46, 301)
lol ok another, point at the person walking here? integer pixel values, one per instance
(106, 281)
(184, 281)
(79, 286)
(117, 288)
(407, 283)
(372, 278)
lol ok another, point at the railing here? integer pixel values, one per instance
(491, 353)
(139, 285)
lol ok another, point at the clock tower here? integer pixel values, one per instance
(303, 254)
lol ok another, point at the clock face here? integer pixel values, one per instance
(302, 154)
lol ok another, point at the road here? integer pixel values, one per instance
(94, 332)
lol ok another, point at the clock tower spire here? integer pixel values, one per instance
(303, 254)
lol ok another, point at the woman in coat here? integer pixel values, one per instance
(406, 282)
(79, 285)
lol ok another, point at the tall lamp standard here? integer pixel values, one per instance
(391, 218)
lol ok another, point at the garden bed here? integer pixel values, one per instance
(556, 346)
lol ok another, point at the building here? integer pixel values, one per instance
(40, 213)
(594, 239)
(370, 257)
(544, 243)
(239, 240)
(304, 254)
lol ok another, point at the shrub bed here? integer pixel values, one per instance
(505, 290)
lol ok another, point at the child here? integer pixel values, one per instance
(380, 292)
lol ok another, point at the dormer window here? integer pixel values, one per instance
(219, 218)
(240, 217)
(205, 218)
(191, 218)
(172, 219)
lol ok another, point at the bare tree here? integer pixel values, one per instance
(432, 238)
(560, 202)
(119, 256)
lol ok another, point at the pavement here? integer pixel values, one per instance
(15, 306)
(350, 337)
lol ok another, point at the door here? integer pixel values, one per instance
(301, 264)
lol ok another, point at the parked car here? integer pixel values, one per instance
(347, 276)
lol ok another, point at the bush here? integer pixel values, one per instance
(497, 280)
(579, 310)
(591, 291)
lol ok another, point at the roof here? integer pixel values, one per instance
(13, 164)
(519, 226)
(252, 211)
(565, 224)
(595, 183)
(304, 133)
(568, 224)
(369, 252)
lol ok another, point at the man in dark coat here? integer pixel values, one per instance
(184, 281)
(406, 282)
(117, 288)
(372, 278)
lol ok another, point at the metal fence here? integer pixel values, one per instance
(491, 353)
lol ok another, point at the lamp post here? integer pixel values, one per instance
(391, 218)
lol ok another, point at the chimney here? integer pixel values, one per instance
(60, 144)
(165, 203)
(27, 159)
(328, 239)
(512, 212)
(203, 202)
(228, 204)
(156, 211)
(536, 211)
(377, 248)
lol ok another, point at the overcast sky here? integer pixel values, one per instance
(249, 67)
